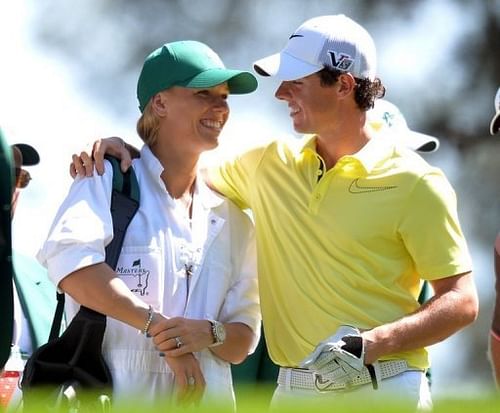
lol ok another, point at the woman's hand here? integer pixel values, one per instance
(178, 336)
(189, 381)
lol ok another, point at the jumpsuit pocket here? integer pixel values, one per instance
(140, 268)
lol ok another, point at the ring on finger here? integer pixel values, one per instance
(191, 381)
(178, 342)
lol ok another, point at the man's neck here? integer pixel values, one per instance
(333, 147)
(345, 136)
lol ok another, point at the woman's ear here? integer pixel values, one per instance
(159, 104)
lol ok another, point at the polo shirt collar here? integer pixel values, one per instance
(309, 144)
(375, 151)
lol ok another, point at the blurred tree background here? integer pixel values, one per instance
(439, 60)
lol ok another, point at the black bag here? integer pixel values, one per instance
(74, 361)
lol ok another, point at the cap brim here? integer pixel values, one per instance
(30, 154)
(238, 81)
(285, 67)
(421, 142)
(495, 124)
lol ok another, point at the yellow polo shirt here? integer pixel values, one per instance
(349, 246)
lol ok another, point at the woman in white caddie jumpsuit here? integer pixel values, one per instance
(186, 276)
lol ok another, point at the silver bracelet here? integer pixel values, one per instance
(148, 321)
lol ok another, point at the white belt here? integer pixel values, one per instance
(308, 380)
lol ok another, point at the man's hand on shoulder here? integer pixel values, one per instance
(83, 164)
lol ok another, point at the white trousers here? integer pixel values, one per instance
(409, 390)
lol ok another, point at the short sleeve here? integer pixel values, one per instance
(82, 227)
(234, 178)
(431, 230)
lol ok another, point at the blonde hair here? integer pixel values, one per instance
(148, 125)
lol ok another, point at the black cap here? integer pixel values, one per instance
(30, 154)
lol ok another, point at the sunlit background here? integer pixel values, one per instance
(68, 73)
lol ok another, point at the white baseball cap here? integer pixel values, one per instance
(337, 42)
(386, 117)
(495, 122)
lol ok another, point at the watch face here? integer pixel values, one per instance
(220, 332)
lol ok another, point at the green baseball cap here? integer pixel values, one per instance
(191, 64)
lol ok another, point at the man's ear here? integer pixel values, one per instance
(346, 83)
(159, 104)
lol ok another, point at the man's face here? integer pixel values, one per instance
(196, 116)
(312, 106)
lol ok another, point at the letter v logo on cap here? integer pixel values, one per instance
(341, 62)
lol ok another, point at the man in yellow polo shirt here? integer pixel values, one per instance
(348, 228)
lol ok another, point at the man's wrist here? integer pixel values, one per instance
(132, 150)
(371, 346)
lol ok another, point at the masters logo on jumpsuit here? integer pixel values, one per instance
(141, 277)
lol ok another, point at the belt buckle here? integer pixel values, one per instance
(325, 385)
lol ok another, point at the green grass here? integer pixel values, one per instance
(255, 401)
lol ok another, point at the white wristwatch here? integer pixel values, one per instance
(218, 333)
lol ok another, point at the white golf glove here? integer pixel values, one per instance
(341, 355)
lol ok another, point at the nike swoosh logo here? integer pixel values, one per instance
(356, 188)
(322, 385)
(295, 35)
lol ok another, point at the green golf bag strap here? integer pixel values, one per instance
(125, 198)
